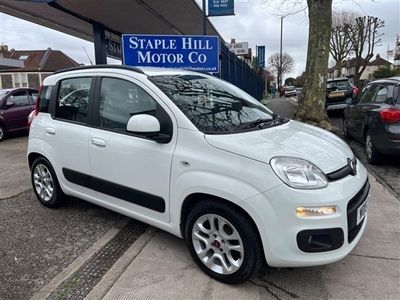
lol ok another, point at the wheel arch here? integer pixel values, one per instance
(33, 156)
(366, 128)
(193, 199)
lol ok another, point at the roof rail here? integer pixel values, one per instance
(101, 67)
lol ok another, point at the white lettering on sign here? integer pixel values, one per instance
(137, 43)
(149, 57)
(191, 44)
(195, 57)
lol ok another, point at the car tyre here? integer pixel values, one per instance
(373, 155)
(223, 242)
(2, 133)
(45, 184)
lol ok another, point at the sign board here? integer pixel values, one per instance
(220, 8)
(261, 56)
(194, 52)
(239, 48)
(113, 48)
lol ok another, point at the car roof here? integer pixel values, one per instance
(6, 91)
(149, 71)
(395, 79)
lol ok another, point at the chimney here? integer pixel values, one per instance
(4, 50)
(378, 56)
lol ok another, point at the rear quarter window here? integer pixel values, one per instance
(44, 98)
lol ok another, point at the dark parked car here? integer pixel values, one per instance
(15, 107)
(337, 92)
(373, 117)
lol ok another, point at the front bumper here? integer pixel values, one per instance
(274, 212)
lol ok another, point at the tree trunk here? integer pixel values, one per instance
(312, 108)
(339, 68)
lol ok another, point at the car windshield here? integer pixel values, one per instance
(3, 93)
(213, 105)
(342, 84)
(290, 88)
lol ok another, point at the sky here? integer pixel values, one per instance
(255, 21)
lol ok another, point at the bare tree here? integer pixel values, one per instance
(312, 107)
(364, 36)
(340, 44)
(285, 67)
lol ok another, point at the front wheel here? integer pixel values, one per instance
(223, 242)
(2, 133)
(45, 183)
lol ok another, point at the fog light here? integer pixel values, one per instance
(315, 211)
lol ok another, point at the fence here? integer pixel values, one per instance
(237, 72)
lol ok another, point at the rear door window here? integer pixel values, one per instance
(73, 99)
(368, 95)
(32, 96)
(381, 94)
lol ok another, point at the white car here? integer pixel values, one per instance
(197, 157)
(290, 91)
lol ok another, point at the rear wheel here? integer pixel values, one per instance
(45, 183)
(373, 156)
(345, 130)
(222, 242)
(2, 133)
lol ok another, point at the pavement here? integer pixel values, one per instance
(157, 265)
(14, 177)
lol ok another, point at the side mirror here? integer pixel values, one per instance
(144, 125)
(10, 104)
(147, 126)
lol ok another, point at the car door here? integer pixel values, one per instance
(362, 110)
(383, 100)
(17, 115)
(67, 130)
(130, 171)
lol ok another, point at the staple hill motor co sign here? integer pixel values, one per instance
(199, 53)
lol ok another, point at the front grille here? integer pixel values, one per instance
(343, 172)
(352, 206)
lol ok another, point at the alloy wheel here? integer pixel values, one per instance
(1, 132)
(368, 146)
(43, 182)
(218, 244)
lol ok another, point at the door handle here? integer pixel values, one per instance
(99, 142)
(50, 130)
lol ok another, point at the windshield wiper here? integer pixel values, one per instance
(275, 119)
(256, 123)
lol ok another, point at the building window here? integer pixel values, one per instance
(20, 80)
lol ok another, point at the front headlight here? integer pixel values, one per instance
(298, 173)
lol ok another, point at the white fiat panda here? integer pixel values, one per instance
(197, 157)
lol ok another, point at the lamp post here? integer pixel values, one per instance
(204, 18)
(280, 56)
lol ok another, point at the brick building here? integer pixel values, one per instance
(28, 68)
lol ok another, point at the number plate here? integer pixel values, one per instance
(362, 211)
(336, 94)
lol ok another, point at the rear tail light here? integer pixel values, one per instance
(355, 91)
(390, 115)
(34, 113)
